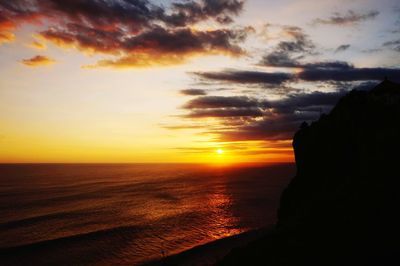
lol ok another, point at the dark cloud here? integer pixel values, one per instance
(246, 118)
(300, 43)
(279, 59)
(287, 53)
(139, 32)
(342, 48)
(346, 19)
(277, 128)
(371, 50)
(85, 38)
(185, 41)
(223, 106)
(251, 119)
(306, 102)
(349, 74)
(159, 46)
(224, 112)
(394, 45)
(156, 46)
(284, 117)
(236, 76)
(367, 85)
(318, 71)
(193, 92)
(220, 102)
(133, 15)
(328, 65)
(185, 13)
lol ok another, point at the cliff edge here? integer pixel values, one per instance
(343, 205)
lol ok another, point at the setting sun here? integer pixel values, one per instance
(143, 131)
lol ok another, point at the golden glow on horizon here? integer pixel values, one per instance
(64, 114)
(112, 102)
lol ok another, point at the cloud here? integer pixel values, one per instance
(289, 103)
(181, 127)
(193, 92)
(343, 65)
(288, 52)
(158, 46)
(224, 112)
(184, 13)
(247, 118)
(108, 14)
(38, 45)
(371, 50)
(39, 60)
(243, 148)
(276, 128)
(220, 102)
(222, 106)
(311, 102)
(6, 37)
(12, 14)
(346, 19)
(284, 118)
(237, 76)
(243, 118)
(136, 33)
(342, 48)
(349, 74)
(394, 45)
(313, 72)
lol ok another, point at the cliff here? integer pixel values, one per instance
(342, 207)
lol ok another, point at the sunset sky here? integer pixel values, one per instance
(181, 81)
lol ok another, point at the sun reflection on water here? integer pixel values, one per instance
(223, 222)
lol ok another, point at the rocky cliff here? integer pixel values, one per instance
(343, 206)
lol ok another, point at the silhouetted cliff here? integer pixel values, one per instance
(343, 206)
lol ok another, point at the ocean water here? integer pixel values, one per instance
(127, 214)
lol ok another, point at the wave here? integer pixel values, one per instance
(75, 249)
(41, 218)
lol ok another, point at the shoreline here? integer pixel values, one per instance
(210, 253)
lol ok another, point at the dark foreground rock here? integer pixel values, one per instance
(343, 206)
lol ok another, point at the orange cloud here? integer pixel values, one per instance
(154, 47)
(6, 37)
(139, 60)
(39, 60)
(138, 33)
(6, 34)
(38, 45)
(11, 18)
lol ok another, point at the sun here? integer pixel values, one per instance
(219, 151)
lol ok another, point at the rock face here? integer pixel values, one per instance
(348, 173)
(343, 206)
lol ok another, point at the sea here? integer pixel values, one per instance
(129, 214)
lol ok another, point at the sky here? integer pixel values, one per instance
(193, 81)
